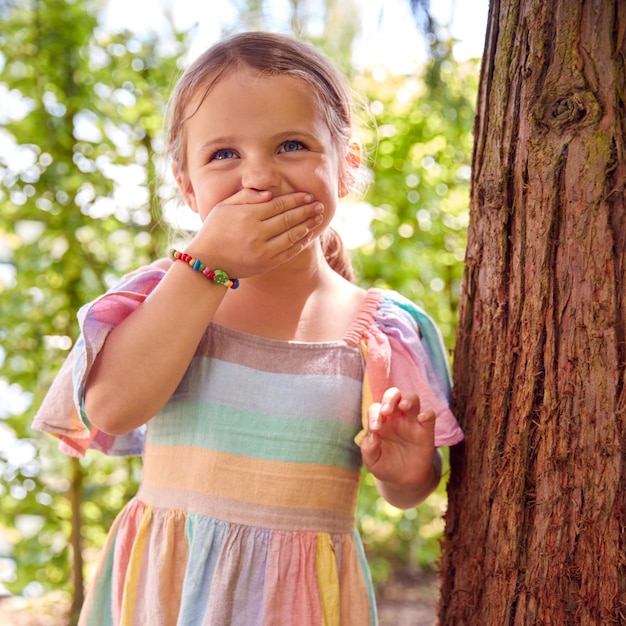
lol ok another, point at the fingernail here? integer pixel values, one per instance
(319, 207)
(308, 198)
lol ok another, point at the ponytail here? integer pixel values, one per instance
(336, 255)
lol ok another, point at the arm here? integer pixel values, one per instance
(407, 498)
(145, 357)
(399, 449)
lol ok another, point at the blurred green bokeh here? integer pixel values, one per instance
(81, 116)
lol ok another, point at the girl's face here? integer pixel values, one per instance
(263, 133)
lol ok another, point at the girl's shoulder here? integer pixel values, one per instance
(386, 309)
(396, 320)
(403, 348)
(164, 264)
(142, 279)
(394, 307)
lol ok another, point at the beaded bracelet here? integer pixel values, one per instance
(217, 277)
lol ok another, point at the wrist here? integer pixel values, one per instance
(406, 495)
(216, 276)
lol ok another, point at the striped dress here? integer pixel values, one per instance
(246, 511)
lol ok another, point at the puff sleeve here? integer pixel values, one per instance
(402, 348)
(61, 412)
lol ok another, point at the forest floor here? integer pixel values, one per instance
(409, 601)
(406, 601)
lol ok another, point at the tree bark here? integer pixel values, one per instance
(535, 528)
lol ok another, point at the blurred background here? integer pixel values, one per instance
(85, 197)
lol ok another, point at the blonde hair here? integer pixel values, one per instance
(270, 54)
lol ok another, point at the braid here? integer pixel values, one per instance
(336, 254)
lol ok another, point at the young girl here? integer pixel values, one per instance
(243, 367)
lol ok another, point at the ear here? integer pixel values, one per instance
(354, 154)
(185, 187)
(351, 166)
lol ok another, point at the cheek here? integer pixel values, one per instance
(328, 176)
(210, 191)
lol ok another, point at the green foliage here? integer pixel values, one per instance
(84, 105)
(420, 191)
(421, 161)
(399, 540)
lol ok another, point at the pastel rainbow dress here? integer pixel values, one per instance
(246, 511)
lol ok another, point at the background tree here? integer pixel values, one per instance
(535, 526)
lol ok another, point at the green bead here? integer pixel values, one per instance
(221, 277)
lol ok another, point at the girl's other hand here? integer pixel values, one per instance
(399, 449)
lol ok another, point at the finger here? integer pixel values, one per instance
(427, 417)
(371, 450)
(373, 416)
(247, 196)
(287, 245)
(295, 221)
(293, 226)
(284, 206)
(410, 403)
(295, 233)
(390, 400)
(267, 207)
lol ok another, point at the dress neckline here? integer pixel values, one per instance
(362, 320)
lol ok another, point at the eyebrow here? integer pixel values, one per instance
(207, 146)
(228, 140)
(294, 133)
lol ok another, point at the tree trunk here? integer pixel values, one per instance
(535, 529)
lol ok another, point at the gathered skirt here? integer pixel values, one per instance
(164, 567)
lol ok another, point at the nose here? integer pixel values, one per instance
(259, 173)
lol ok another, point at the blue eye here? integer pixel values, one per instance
(222, 155)
(292, 146)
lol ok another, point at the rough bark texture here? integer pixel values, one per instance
(535, 530)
